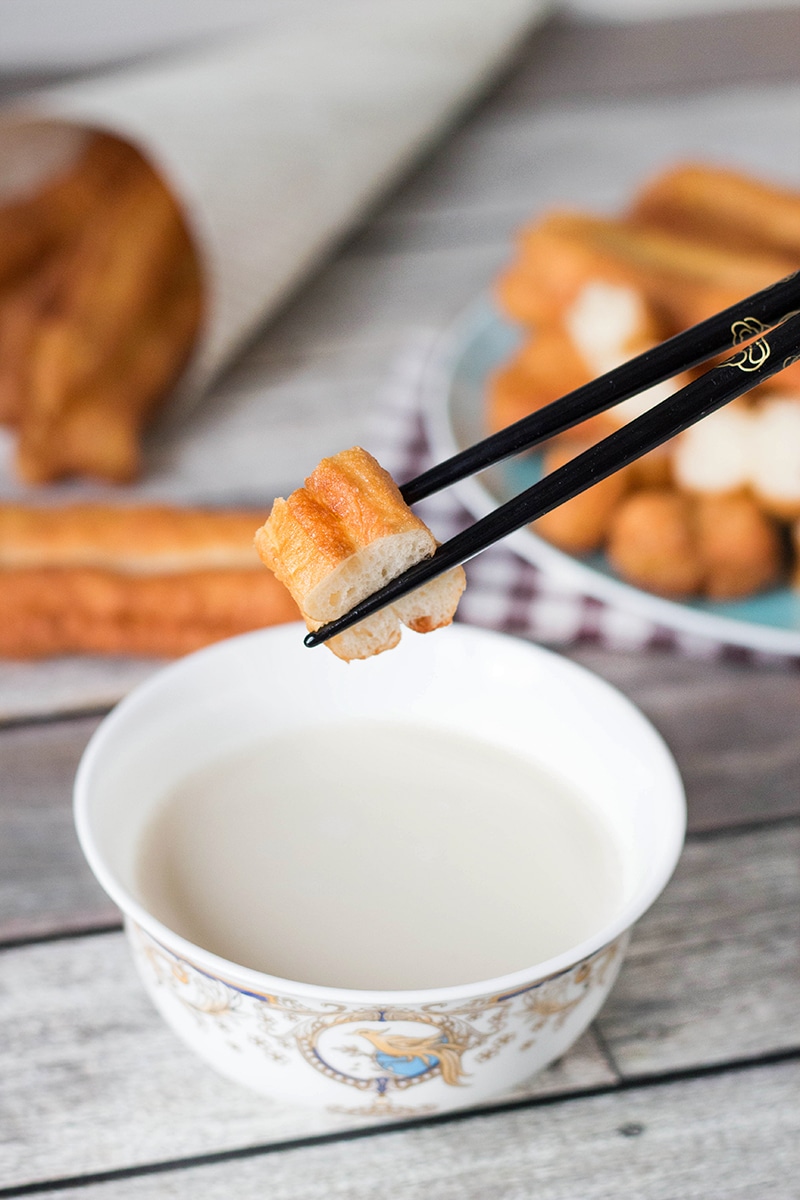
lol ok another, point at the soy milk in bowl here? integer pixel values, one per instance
(456, 845)
(398, 886)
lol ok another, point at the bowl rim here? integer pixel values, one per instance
(262, 984)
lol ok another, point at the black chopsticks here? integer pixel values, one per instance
(694, 346)
(772, 350)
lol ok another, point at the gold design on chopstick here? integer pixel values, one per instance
(753, 356)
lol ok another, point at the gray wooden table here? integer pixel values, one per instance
(688, 1084)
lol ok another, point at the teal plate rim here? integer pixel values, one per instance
(453, 389)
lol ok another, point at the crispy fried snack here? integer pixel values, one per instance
(676, 545)
(33, 226)
(591, 292)
(556, 257)
(342, 536)
(148, 540)
(775, 456)
(149, 581)
(605, 324)
(652, 545)
(741, 547)
(683, 279)
(726, 208)
(746, 446)
(80, 610)
(100, 305)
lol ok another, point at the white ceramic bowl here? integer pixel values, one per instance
(427, 1050)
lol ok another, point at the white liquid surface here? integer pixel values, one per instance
(379, 856)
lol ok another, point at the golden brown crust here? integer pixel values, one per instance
(113, 339)
(696, 240)
(678, 545)
(652, 543)
(556, 257)
(740, 545)
(723, 207)
(545, 367)
(147, 540)
(342, 536)
(682, 278)
(81, 610)
(365, 498)
(101, 304)
(348, 502)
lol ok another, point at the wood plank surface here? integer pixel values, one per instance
(734, 1137)
(45, 884)
(713, 970)
(734, 729)
(90, 1053)
(712, 975)
(68, 685)
(576, 55)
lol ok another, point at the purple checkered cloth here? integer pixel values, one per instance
(504, 592)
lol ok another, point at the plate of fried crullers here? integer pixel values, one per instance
(703, 534)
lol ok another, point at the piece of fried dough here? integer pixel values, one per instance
(605, 325)
(714, 455)
(746, 447)
(340, 538)
(652, 543)
(609, 324)
(21, 310)
(34, 225)
(723, 207)
(774, 455)
(556, 257)
(140, 540)
(740, 546)
(95, 429)
(546, 367)
(683, 279)
(154, 580)
(103, 323)
(676, 545)
(72, 610)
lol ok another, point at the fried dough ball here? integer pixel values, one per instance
(652, 543)
(676, 545)
(740, 545)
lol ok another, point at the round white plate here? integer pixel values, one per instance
(454, 386)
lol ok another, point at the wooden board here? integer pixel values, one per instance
(736, 1136)
(734, 729)
(711, 977)
(45, 884)
(713, 970)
